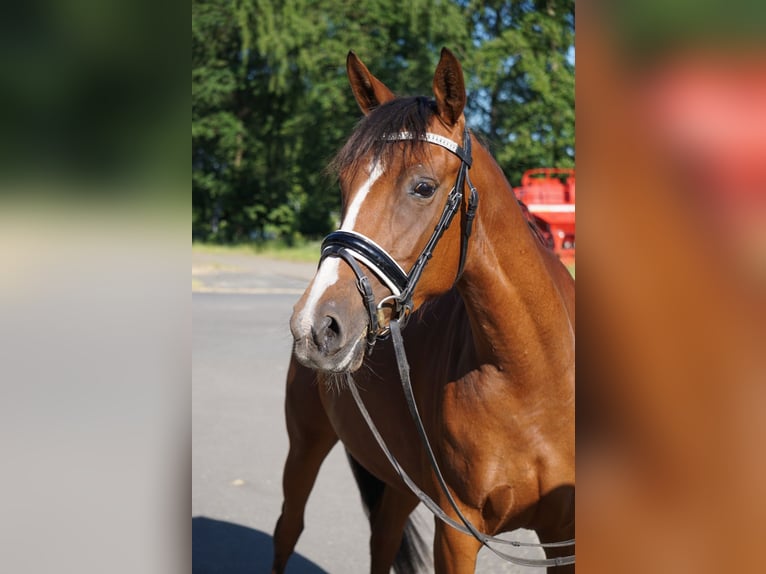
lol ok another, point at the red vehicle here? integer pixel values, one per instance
(549, 194)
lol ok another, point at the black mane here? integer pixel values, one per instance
(408, 114)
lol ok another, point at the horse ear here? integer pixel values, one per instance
(368, 90)
(449, 88)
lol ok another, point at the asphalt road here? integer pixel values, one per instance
(241, 345)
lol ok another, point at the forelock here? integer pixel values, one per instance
(371, 137)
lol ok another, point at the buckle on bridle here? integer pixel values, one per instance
(400, 311)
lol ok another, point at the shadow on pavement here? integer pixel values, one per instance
(226, 548)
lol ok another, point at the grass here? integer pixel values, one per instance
(307, 251)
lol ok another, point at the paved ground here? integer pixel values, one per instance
(241, 345)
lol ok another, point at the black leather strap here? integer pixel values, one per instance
(466, 527)
(338, 240)
(363, 284)
(470, 214)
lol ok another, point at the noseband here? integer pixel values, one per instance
(355, 248)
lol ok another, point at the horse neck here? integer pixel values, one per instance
(516, 307)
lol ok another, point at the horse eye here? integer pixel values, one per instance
(424, 189)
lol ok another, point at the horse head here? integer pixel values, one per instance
(397, 188)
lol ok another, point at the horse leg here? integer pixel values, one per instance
(394, 539)
(455, 552)
(387, 543)
(311, 438)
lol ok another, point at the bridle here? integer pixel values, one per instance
(355, 248)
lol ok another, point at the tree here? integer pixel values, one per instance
(271, 103)
(521, 77)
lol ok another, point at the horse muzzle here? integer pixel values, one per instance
(328, 340)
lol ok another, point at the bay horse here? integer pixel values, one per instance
(489, 336)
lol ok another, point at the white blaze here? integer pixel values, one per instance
(361, 195)
(327, 274)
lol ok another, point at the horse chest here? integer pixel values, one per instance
(392, 420)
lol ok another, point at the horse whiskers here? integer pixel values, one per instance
(370, 370)
(337, 382)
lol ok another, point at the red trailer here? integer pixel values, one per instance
(549, 194)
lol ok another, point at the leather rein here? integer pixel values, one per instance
(355, 248)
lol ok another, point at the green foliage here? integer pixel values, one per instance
(271, 103)
(522, 82)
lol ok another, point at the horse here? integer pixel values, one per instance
(489, 339)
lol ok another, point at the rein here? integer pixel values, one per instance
(355, 248)
(466, 527)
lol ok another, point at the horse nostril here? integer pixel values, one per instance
(326, 335)
(333, 326)
(318, 330)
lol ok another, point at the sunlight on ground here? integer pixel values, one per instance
(308, 251)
